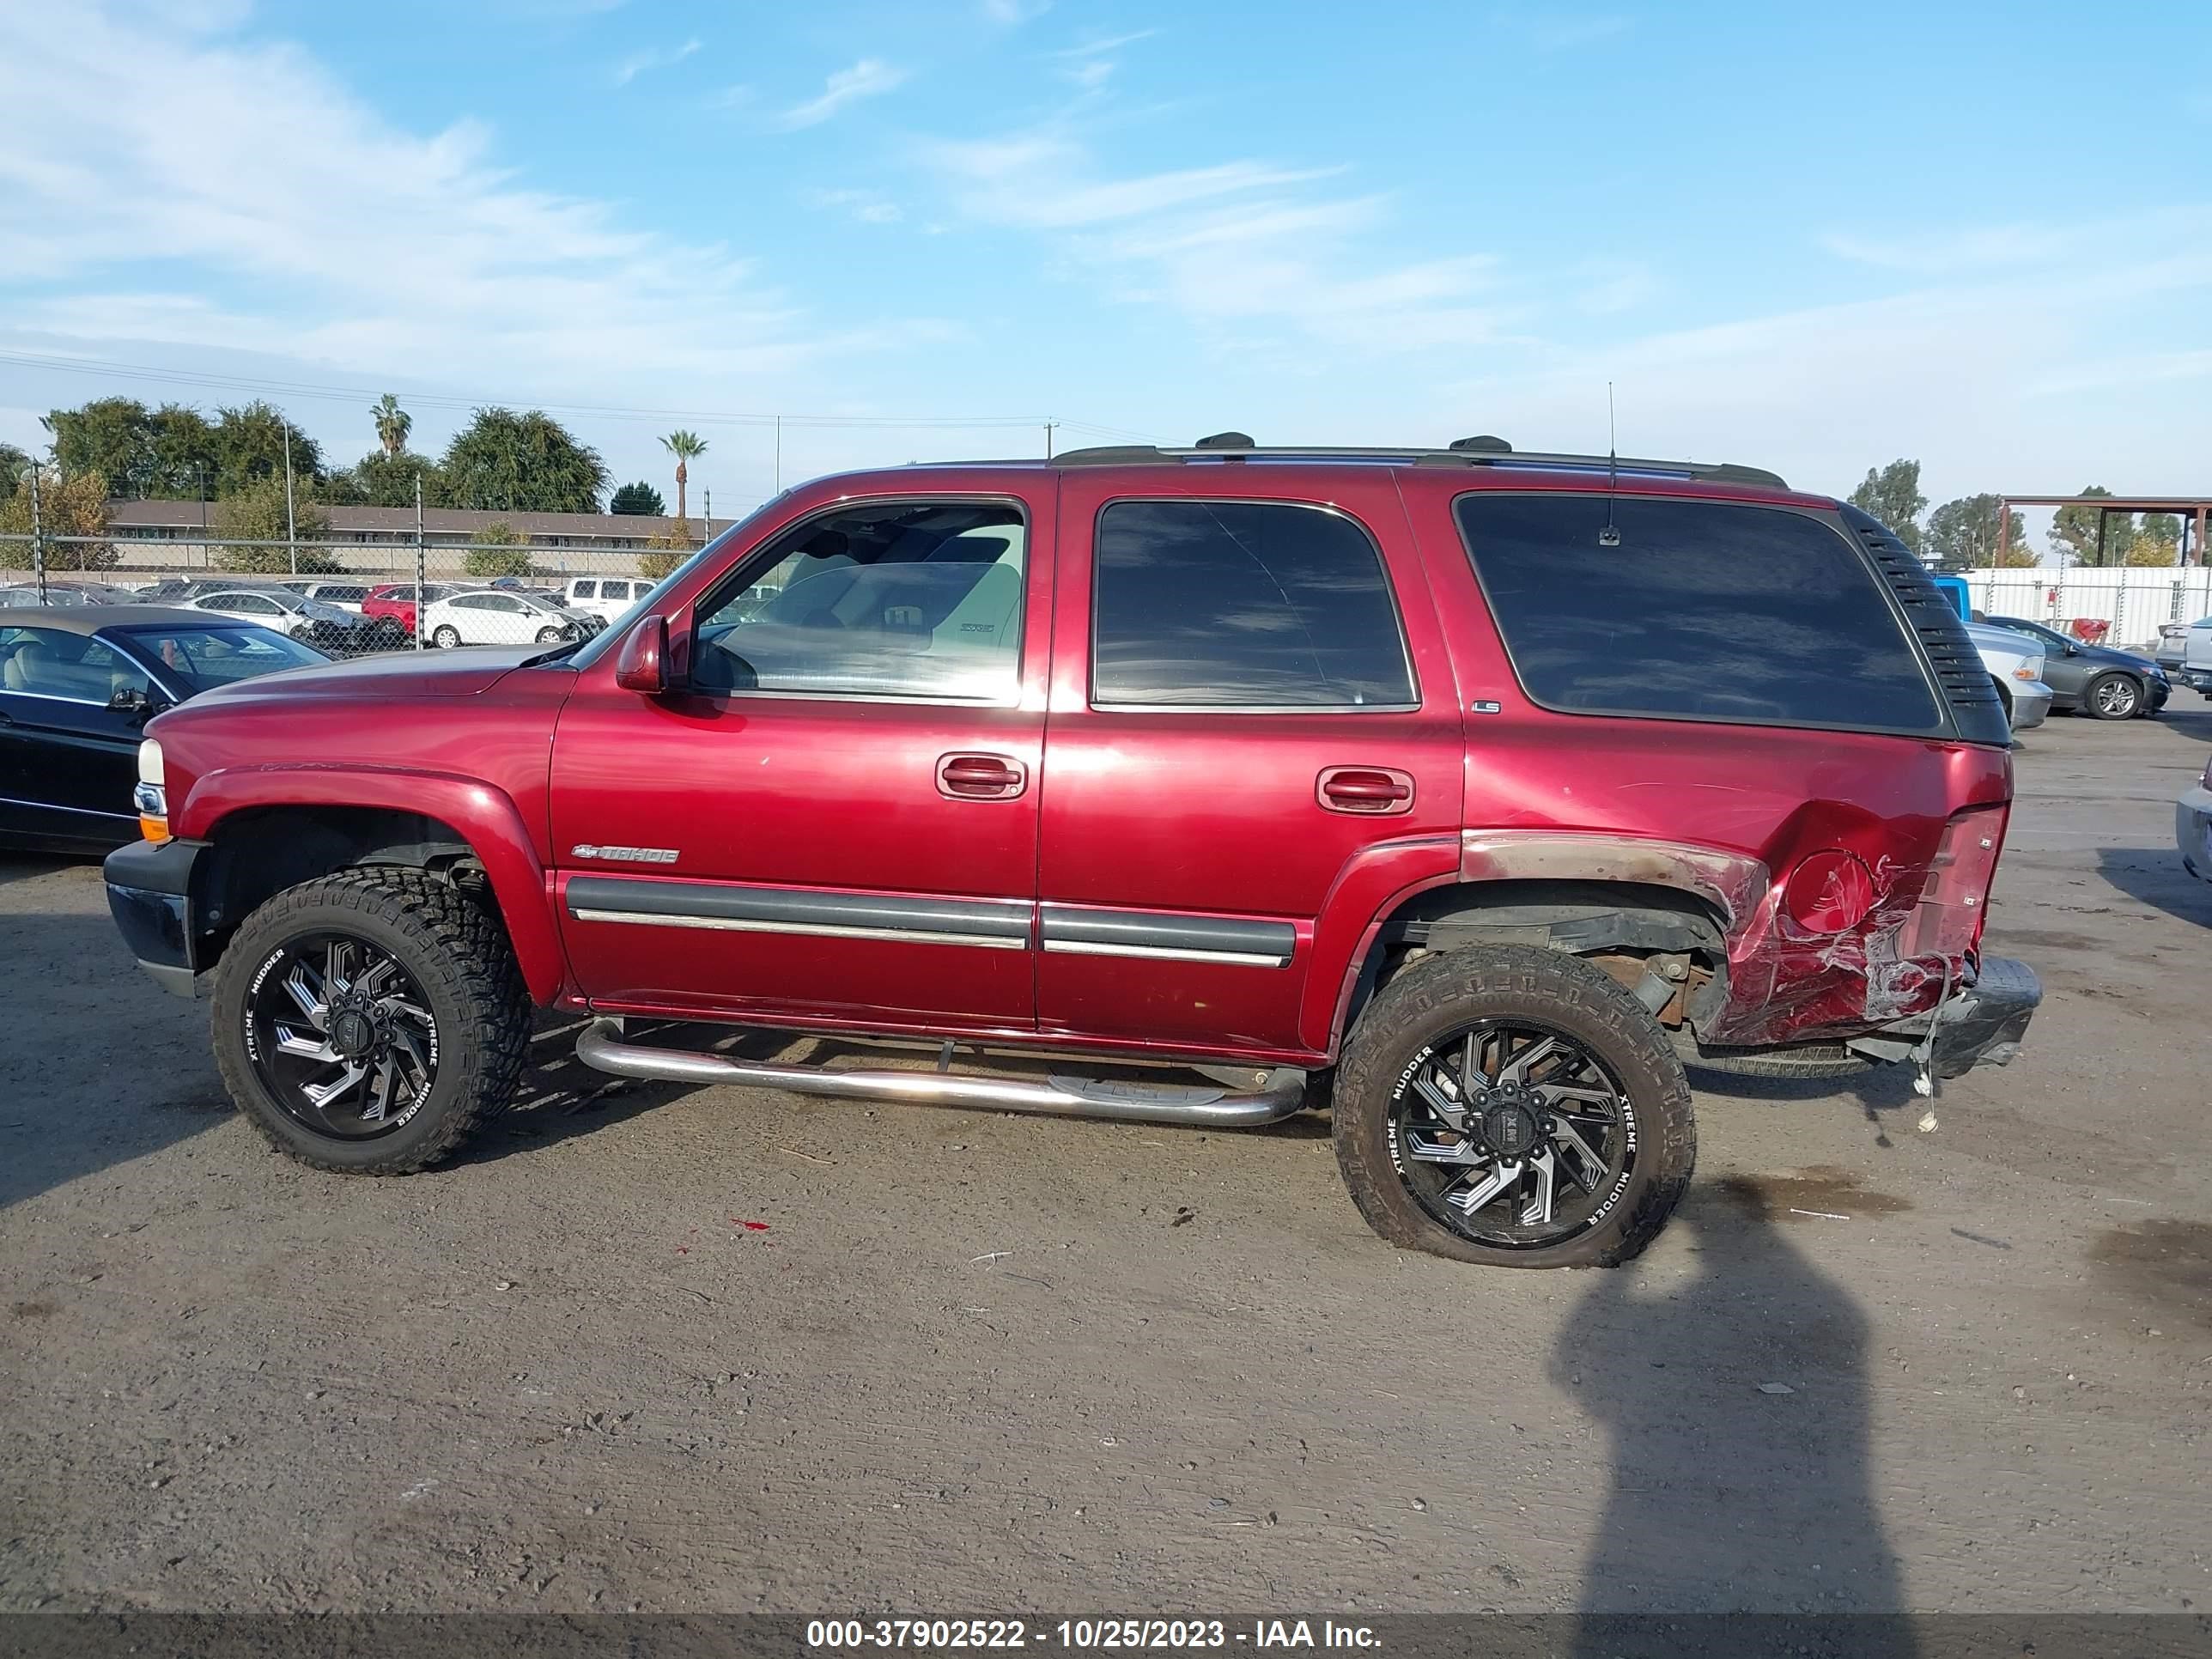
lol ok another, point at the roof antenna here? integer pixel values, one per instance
(1610, 535)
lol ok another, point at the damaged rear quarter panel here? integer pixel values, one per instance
(1600, 797)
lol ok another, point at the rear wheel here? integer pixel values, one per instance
(369, 1021)
(1515, 1107)
(446, 638)
(549, 636)
(2114, 697)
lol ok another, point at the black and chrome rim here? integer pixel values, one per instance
(341, 1035)
(1513, 1135)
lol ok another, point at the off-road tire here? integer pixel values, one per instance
(458, 953)
(1812, 1060)
(2108, 687)
(1442, 992)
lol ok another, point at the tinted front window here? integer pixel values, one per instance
(1702, 611)
(1242, 604)
(196, 658)
(887, 600)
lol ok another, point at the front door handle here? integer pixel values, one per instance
(981, 777)
(1369, 791)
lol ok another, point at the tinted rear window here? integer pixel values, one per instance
(1231, 605)
(1702, 611)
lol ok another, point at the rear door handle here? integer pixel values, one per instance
(1369, 791)
(981, 777)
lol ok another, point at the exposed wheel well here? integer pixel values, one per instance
(1668, 945)
(258, 853)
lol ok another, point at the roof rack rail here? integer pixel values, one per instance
(1476, 453)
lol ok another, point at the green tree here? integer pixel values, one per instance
(393, 424)
(684, 446)
(669, 550)
(640, 499)
(508, 462)
(496, 551)
(1962, 535)
(249, 443)
(75, 505)
(389, 480)
(256, 514)
(2157, 541)
(111, 436)
(2074, 531)
(341, 487)
(12, 463)
(1891, 494)
(187, 460)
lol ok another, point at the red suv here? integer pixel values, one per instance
(1470, 793)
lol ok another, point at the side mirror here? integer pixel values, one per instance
(129, 699)
(642, 666)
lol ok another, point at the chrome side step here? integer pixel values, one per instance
(1282, 1093)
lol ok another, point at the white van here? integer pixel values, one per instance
(603, 596)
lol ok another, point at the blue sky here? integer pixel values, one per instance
(1812, 238)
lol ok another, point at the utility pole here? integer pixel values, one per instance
(1048, 426)
(206, 557)
(418, 559)
(38, 534)
(708, 534)
(291, 524)
(779, 454)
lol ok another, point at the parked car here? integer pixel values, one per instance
(1492, 791)
(489, 616)
(2172, 644)
(285, 612)
(76, 687)
(604, 596)
(394, 603)
(54, 594)
(346, 595)
(2016, 666)
(2197, 658)
(2192, 827)
(2094, 679)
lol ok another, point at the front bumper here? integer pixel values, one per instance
(1980, 1025)
(2192, 831)
(2031, 705)
(149, 894)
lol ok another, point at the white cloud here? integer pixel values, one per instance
(1553, 31)
(1090, 64)
(867, 206)
(282, 216)
(869, 78)
(1242, 246)
(638, 63)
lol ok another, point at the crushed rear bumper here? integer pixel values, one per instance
(1980, 1025)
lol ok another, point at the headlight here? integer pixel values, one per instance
(2025, 672)
(151, 797)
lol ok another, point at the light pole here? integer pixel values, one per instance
(37, 533)
(291, 525)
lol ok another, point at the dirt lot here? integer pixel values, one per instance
(976, 1363)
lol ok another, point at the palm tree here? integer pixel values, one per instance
(393, 424)
(684, 446)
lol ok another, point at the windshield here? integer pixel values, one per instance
(200, 659)
(2020, 625)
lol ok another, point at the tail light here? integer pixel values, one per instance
(1948, 920)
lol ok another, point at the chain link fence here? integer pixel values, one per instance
(348, 598)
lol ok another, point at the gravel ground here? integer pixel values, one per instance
(981, 1364)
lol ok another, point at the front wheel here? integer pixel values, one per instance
(446, 638)
(549, 635)
(366, 1022)
(2114, 697)
(1515, 1107)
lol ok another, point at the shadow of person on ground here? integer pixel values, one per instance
(1735, 1393)
(2155, 875)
